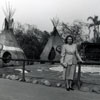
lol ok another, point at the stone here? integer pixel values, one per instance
(42, 81)
(8, 77)
(28, 80)
(13, 77)
(3, 75)
(17, 77)
(84, 89)
(20, 79)
(58, 84)
(35, 81)
(47, 83)
(39, 70)
(96, 90)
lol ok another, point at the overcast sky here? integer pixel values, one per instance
(39, 12)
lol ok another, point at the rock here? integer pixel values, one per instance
(20, 79)
(84, 89)
(58, 84)
(21, 71)
(13, 77)
(17, 78)
(8, 77)
(96, 90)
(47, 83)
(35, 81)
(28, 80)
(42, 81)
(39, 70)
(3, 75)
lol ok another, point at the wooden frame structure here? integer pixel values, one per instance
(79, 70)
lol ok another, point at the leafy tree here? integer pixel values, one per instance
(32, 40)
(76, 30)
(95, 23)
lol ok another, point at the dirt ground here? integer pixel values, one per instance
(41, 71)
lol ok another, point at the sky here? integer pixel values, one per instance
(40, 12)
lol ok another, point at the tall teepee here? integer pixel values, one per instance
(53, 47)
(11, 49)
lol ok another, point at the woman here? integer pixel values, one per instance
(69, 56)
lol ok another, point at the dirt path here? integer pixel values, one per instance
(14, 90)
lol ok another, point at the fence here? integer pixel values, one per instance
(79, 69)
(29, 60)
(43, 61)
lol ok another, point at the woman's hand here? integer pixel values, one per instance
(64, 65)
(81, 61)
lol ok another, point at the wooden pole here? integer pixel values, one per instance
(79, 75)
(23, 74)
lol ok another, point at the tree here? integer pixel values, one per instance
(95, 23)
(44, 39)
(32, 40)
(76, 30)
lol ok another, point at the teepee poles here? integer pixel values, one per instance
(8, 12)
(55, 22)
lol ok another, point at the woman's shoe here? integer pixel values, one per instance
(68, 89)
(71, 88)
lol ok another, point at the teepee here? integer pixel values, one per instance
(52, 49)
(10, 47)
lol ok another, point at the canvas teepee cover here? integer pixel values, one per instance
(11, 49)
(52, 49)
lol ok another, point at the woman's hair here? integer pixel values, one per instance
(66, 39)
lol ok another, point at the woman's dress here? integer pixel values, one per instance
(68, 58)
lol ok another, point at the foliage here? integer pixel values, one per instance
(76, 30)
(95, 23)
(31, 40)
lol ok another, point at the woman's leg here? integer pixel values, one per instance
(66, 80)
(67, 84)
(72, 72)
(70, 85)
